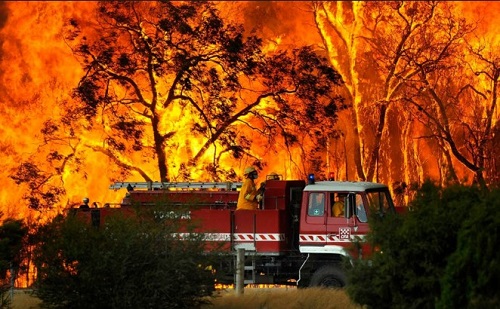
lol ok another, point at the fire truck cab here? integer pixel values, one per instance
(299, 235)
(328, 231)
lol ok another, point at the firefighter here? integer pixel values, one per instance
(338, 206)
(249, 197)
(262, 188)
(85, 204)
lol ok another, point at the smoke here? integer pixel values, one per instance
(288, 24)
(484, 13)
(4, 14)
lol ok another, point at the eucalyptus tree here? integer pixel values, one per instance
(171, 91)
(458, 101)
(163, 76)
(374, 45)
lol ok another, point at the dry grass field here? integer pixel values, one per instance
(23, 299)
(281, 298)
(252, 298)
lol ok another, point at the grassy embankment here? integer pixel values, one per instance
(273, 298)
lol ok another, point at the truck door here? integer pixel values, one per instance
(344, 228)
(313, 227)
(338, 222)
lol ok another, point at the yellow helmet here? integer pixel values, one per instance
(249, 170)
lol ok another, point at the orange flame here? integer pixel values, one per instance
(39, 71)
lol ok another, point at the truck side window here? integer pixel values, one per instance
(360, 209)
(378, 202)
(316, 207)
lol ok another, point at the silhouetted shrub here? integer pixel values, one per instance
(127, 262)
(415, 250)
(12, 233)
(472, 275)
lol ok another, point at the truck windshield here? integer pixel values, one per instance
(379, 201)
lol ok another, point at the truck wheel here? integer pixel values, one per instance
(328, 276)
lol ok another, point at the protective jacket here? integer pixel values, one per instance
(338, 209)
(247, 197)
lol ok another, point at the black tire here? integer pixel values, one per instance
(329, 276)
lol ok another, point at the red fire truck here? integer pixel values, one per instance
(293, 238)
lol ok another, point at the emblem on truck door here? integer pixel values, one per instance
(345, 233)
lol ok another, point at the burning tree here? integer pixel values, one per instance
(459, 112)
(166, 79)
(175, 84)
(385, 51)
(483, 130)
(373, 37)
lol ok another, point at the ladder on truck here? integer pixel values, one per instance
(250, 269)
(155, 185)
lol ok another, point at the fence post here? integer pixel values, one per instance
(240, 271)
